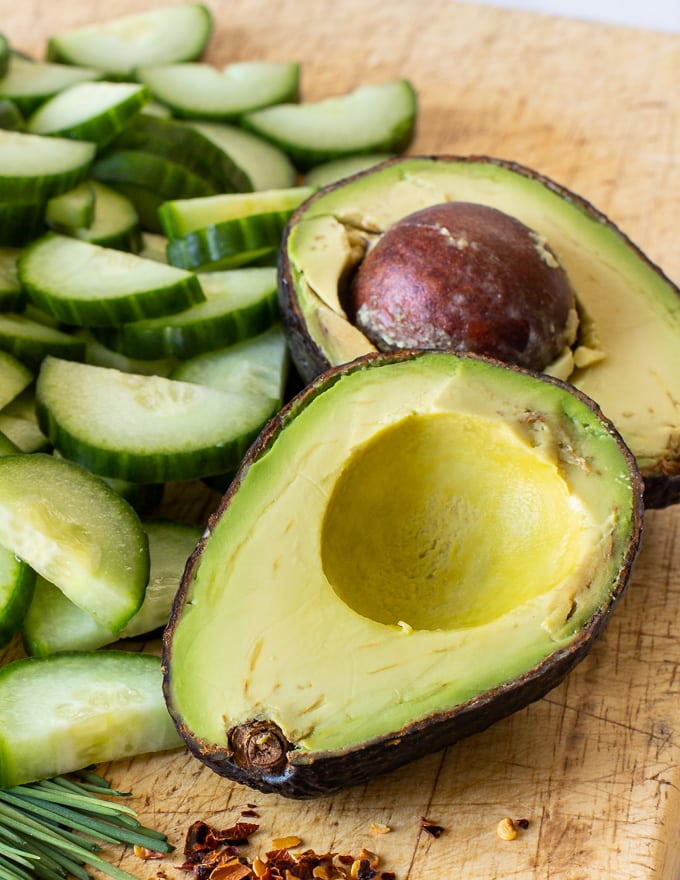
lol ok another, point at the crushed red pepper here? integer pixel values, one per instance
(431, 827)
(213, 854)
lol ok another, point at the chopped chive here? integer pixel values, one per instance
(52, 829)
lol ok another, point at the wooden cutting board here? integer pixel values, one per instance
(595, 766)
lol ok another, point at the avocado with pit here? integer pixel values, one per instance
(620, 343)
(417, 545)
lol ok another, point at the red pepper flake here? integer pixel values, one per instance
(522, 823)
(432, 828)
(202, 837)
(250, 813)
(232, 871)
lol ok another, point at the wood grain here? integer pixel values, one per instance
(595, 766)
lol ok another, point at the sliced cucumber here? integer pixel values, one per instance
(71, 209)
(115, 223)
(4, 55)
(17, 581)
(85, 284)
(165, 178)
(61, 713)
(89, 111)
(179, 217)
(147, 429)
(371, 119)
(185, 145)
(34, 167)
(19, 423)
(99, 355)
(338, 169)
(14, 377)
(238, 304)
(20, 222)
(119, 46)
(30, 341)
(53, 623)
(154, 246)
(23, 433)
(11, 294)
(257, 366)
(11, 117)
(267, 166)
(201, 91)
(226, 231)
(76, 532)
(30, 83)
(7, 447)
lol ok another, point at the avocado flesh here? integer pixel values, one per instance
(628, 353)
(418, 534)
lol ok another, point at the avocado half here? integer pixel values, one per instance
(416, 546)
(627, 351)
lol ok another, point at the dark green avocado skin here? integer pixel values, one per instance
(301, 777)
(661, 489)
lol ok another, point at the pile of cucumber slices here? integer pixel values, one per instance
(143, 196)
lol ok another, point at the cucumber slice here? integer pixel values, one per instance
(371, 119)
(119, 46)
(53, 623)
(266, 166)
(34, 167)
(75, 531)
(64, 712)
(257, 366)
(201, 91)
(11, 117)
(19, 423)
(30, 341)
(23, 433)
(146, 429)
(4, 55)
(228, 247)
(7, 447)
(154, 247)
(14, 377)
(99, 355)
(17, 581)
(226, 231)
(179, 217)
(89, 111)
(30, 83)
(238, 304)
(85, 284)
(21, 222)
(11, 294)
(146, 203)
(181, 143)
(338, 169)
(71, 209)
(115, 223)
(165, 178)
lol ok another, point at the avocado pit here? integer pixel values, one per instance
(466, 277)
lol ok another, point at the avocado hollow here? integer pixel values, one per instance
(416, 546)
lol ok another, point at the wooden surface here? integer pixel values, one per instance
(594, 767)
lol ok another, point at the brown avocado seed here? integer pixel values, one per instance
(466, 277)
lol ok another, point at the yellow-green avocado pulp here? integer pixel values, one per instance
(417, 534)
